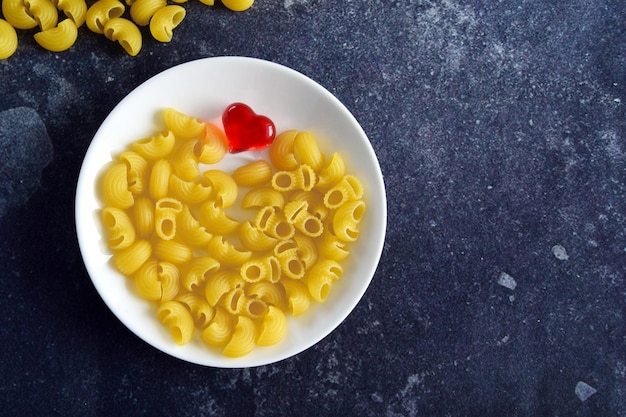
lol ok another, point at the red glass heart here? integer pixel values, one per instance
(245, 129)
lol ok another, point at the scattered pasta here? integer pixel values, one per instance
(123, 19)
(231, 280)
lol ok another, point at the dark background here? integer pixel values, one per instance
(500, 130)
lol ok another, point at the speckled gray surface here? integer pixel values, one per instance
(501, 131)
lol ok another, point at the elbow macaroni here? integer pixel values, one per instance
(234, 280)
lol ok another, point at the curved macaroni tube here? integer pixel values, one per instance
(120, 228)
(224, 186)
(73, 9)
(115, 186)
(243, 339)
(348, 188)
(141, 11)
(199, 271)
(273, 327)
(215, 219)
(189, 191)
(253, 174)
(178, 320)
(165, 212)
(130, 259)
(44, 12)
(190, 230)
(185, 161)
(222, 282)
(101, 12)
(226, 253)
(8, 39)
(254, 239)
(164, 21)
(281, 151)
(346, 220)
(269, 292)
(181, 124)
(200, 310)
(213, 147)
(160, 179)
(308, 249)
(332, 173)
(261, 197)
(307, 152)
(297, 295)
(125, 32)
(137, 171)
(220, 328)
(147, 282)
(15, 13)
(59, 38)
(261, 269)
(144, 216)
(156, 146)
(169, 277)
(172, 251)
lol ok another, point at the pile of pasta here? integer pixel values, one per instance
(105, 17)
(173, 229)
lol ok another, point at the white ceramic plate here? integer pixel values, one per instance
(204, 88)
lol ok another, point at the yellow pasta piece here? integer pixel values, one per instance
(284, 181)
(157, 281)
(101, 12)
(181, 124)
(330, 246)
(238, 5)
(115, 187)
(215, 220)
(47, 16)
(59, 38)
(253, 174)
(307, 152)
(271, 293)
(178, 320)
(185, 161)
(214, 145)
(206, 2)
(314, 200)
(160, 179)
(124, 32)
(137, 171)
(172, 251)
(309, 225)
(224, 186)
(255, 239)
(8, 39)
(281, 151)
(16, 14)
(332, 173)
(164, 21)
(273, 327)
(295, 210)
(297, 294)
(130, 259)
(243, 339)
(265, 268)
(141, 11)
(120, 228)
(320, 278)
(348, 188)
(165, 212)
(234, 301)
(221, 282)
(254, 308)
(201, 312)
(157, 146)
(261, 197)
(189, 191)
(226, 253)
(220, 328)
(346, 220)
(199, 271)
(73, 9)
(307, 248)
(273, 223)
(144, 216)
(190, 230)
(291, 266)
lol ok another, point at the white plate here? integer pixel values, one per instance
(204, 88)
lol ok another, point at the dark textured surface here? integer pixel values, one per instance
(501, 131)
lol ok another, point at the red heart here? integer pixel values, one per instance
(245, 129)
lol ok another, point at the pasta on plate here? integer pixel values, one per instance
(228, 256)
